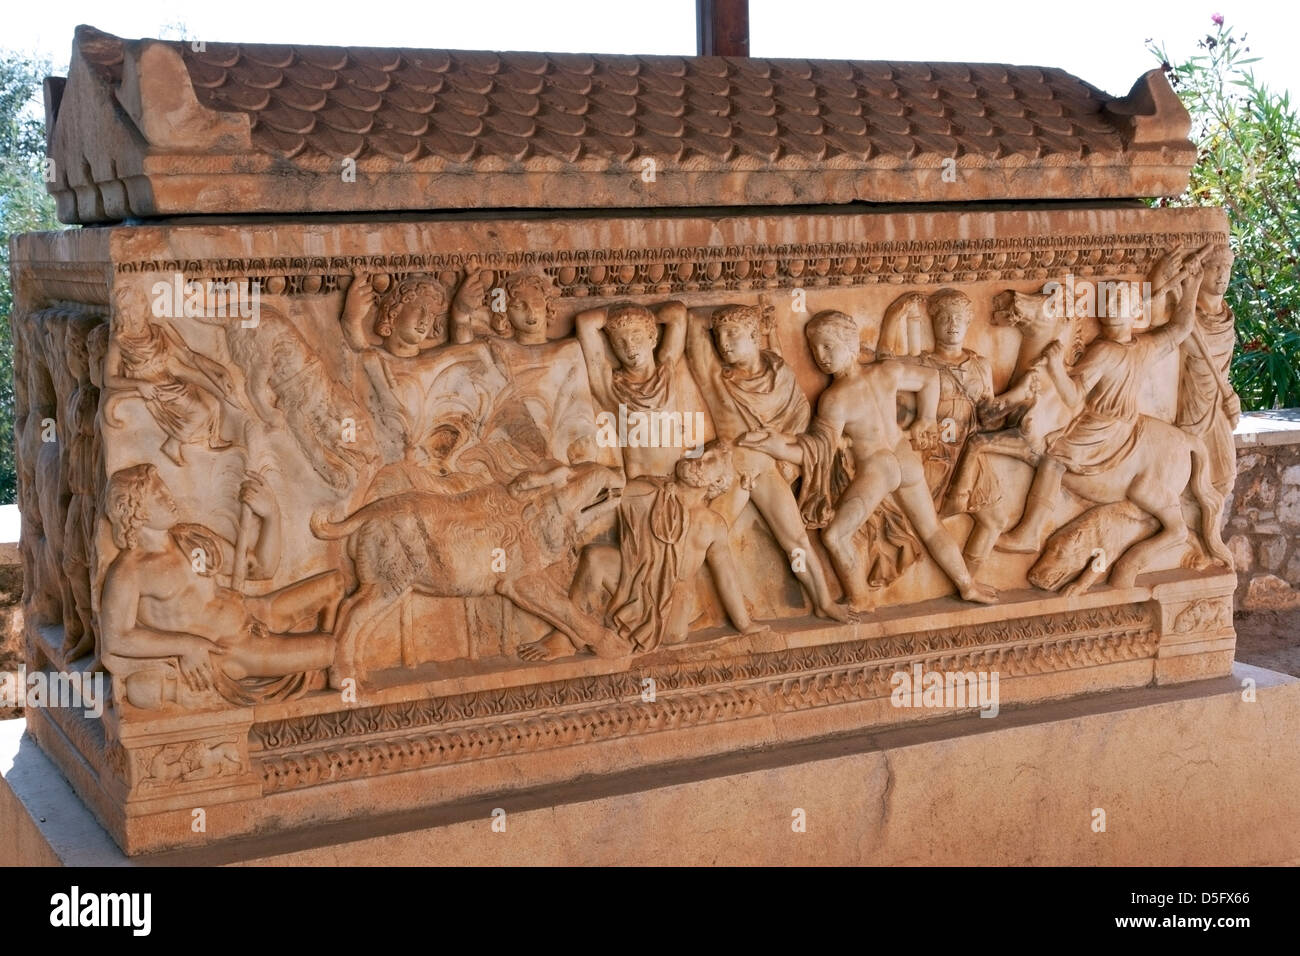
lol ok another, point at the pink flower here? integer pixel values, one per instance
(1217, 18)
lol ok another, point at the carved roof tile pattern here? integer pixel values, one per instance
(460, 106)
(473, 111)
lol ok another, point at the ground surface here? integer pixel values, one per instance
(1269, 639)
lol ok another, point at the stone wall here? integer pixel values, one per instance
(11, 599)
(1262, 526)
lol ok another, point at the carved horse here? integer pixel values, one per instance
(1163, 461)
(1033, 409)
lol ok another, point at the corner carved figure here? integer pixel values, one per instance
(172, 632)
(645, 586)
(45, 590)
(184, 392)
(860, 405)
(1207, 406)
(81, 450)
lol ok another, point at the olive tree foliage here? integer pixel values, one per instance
(25, 206)
(1248, 161)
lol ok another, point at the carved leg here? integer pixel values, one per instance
(275, 655)
(539, 596)
(1027, 536)
(775, 502)
(315, 598)
(860, 499)
(593, 582)
(983, 537)
(355, 619)
(1149, 495)
(914, 497)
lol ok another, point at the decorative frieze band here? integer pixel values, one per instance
(306, 751)
(604, 273)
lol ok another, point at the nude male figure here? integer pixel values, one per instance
(860, 405)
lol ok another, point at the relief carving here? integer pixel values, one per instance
(466, 435)
(174, 629)
(854, 454)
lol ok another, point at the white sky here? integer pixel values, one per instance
(1101, 41)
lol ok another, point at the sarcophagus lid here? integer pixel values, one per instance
(150, 128)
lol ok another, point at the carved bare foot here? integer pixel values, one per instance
(979, 593)
(344, 672)
(835, 611)
(551, 647)
(756, 628)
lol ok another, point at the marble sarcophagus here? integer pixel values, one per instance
(407, 426)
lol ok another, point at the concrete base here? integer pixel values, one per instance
(1187, 775)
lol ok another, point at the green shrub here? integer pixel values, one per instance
(24, 206)
(1248, 161)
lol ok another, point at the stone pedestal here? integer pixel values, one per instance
(1185, 776)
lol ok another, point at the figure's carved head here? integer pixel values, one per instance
(738, 331)
(951, 311)
(75, 352)
(633, 334)
(1012, 309)
(834, 340)
(1217, 271)
(137, 498)
(132, 309)
(530, 304)
(97, 350)
(1118, 312)
(714, 469)
(412, 310)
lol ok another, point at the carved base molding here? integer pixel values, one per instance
(266, 768)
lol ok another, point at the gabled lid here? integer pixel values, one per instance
(147, 128)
